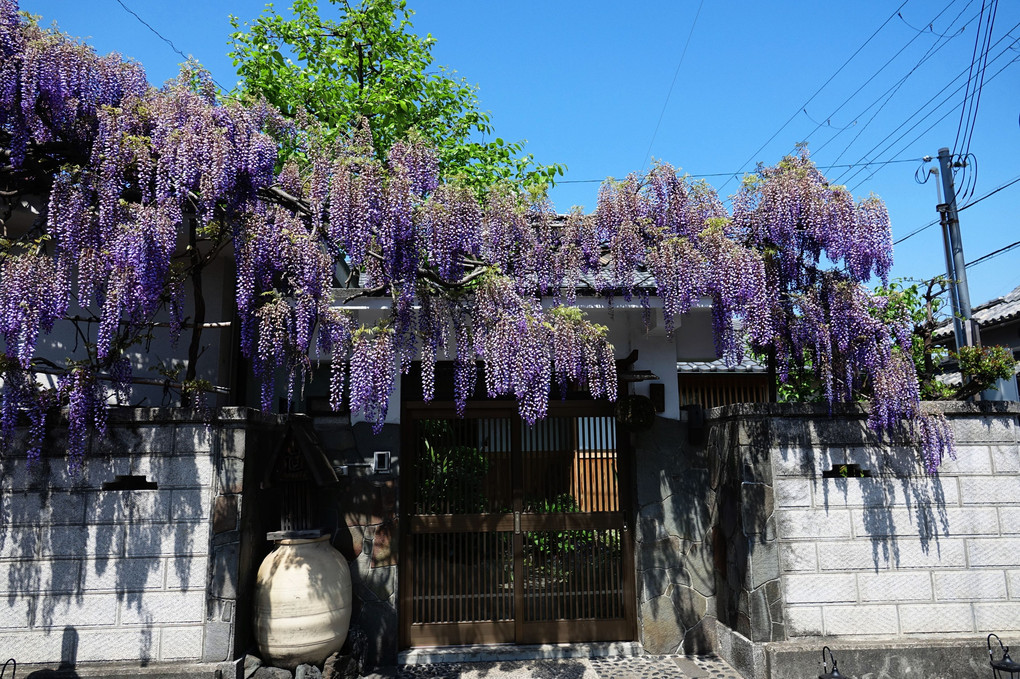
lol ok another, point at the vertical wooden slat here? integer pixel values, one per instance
(600, 446)
(600, 458)
(517, 612)
(604, 573)
(590, 463)
(492, 576)
(589, 445)
(460, 577)
(561, 587)
(447, 565)
(458, 583)
(478, 612)
(605, 503)
(487, 576)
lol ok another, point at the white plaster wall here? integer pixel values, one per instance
(214, 365)
(691, 340)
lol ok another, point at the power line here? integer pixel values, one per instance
(990, 193)
(932, 111)
(916, 231)
(818, 91)
(939, 44)
(974, 202)
(687, 43)
(891, 92)
(929, 28)
(910, 143)
(992, 254)
(978, 60)
(981, 82)
(168, 41)
(826, 123)
(738, 172)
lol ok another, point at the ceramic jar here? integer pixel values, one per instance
(302, 603)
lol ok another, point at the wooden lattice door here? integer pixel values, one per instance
(514, 534)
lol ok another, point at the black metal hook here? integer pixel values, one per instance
(1006, 664)
(834, 674)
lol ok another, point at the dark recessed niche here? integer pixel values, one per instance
(846, 471)
(129, 482)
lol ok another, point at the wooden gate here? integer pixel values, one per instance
(514, 534)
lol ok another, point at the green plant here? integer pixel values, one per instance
(635, 411)
(451, 476)
(924, 304)
(368, 63)
(541, 546)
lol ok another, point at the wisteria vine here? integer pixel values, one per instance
(482, 279)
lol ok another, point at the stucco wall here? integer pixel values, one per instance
(133, 576)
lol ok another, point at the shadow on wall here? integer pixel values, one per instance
(361, 514)
(68, 658)
(114, 541)
(745, 548)
(676, 508)
(922, 496)
(884, 477)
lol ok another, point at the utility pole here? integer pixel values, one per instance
(959, 291)
(950, 268)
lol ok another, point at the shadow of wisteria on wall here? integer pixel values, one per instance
(361, 514)
(89, 560)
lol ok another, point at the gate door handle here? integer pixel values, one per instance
(517, 523)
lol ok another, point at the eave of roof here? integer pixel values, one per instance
(747, 365)
(994, 312)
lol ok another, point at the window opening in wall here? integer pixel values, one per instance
(846, 471)
(129, 482)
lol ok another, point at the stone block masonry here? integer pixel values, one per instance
(361, 514)
(136, 559)
(937, 549)
(892, 562)
(675, 501)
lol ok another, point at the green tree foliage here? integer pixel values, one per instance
(368, 63)
(924, 304)
(921, 308)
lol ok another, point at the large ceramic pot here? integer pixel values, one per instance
(302, 603)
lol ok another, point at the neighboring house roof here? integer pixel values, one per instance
(748, 365)
(994, 312)
(999, 310)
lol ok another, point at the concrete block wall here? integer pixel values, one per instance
(903, 572)
(130, 576)
(901, 553)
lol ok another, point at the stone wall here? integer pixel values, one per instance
(136, 577)
(896, 567)
(676, 507)
(361, 514)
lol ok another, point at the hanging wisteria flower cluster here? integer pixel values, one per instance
(124, 167)
(145, 187)
(820, 318)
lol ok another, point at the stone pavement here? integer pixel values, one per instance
(632, 667)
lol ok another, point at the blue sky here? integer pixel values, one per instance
(586, 85)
